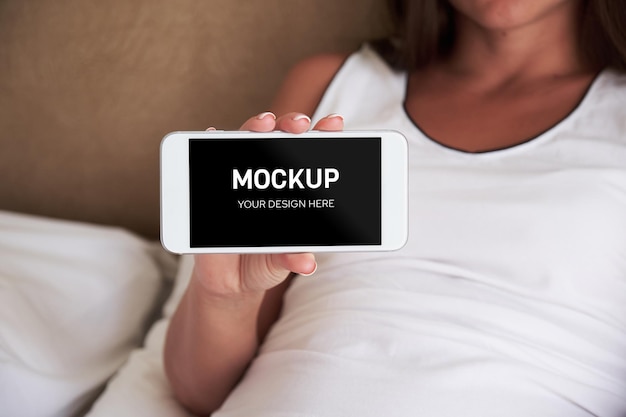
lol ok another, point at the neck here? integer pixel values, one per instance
(546, 47)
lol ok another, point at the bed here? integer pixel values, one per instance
(88, 89)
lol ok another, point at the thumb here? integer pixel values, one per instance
(299, 263)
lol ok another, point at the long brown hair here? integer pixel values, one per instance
(425, 32)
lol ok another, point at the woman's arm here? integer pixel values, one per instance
(215, 330)
(232, 300)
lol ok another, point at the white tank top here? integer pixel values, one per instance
(508, 300)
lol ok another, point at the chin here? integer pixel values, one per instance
(503, 15)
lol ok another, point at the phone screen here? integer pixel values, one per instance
(285, 192)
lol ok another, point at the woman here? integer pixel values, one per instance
(510, 297)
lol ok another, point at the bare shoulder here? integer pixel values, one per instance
(322, 65)
(306, 82)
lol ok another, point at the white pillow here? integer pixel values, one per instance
(74, 300)
(140, 388)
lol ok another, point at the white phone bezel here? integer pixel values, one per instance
(175, 221)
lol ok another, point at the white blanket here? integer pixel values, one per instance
(74, 300)
(140, 387)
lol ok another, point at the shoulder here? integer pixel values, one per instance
(321, 65)
(306, 82)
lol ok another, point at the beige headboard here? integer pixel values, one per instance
(88, 88)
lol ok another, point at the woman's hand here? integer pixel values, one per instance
(231, 275)
(291, 122)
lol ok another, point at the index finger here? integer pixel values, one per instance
(332, 123)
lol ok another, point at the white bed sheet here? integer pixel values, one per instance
(140, 387)
(74, 301)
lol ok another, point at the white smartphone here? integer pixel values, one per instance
(245, 192)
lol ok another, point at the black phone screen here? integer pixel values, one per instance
(285, 192)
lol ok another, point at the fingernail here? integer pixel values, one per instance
(210, 129)
(310, 273)
(330, 116)
(302, 117)
(265, 114)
